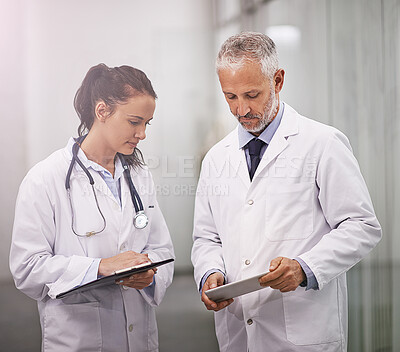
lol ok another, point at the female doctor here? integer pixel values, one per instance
(88, 210)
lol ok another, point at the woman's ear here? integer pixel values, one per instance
(102, 111)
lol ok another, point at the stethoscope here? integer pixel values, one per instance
(140, 219)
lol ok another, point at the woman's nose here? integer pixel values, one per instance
(141, 133)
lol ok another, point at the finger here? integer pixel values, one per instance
(140, 280)
(278, 284)
(211, 282)
(146, 274)
(211, 305)
(208, 302)
(222, 305)
(271, 276)
(275, 263)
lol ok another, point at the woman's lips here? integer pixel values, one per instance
(132, 145)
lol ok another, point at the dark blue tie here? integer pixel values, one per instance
(254, 146)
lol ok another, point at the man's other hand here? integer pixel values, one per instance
(214, 280)
(285, 275)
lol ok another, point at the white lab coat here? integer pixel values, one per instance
(308, 200)
(46, 258)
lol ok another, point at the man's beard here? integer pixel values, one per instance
(270, 111)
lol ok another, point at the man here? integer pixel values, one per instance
(297, 207)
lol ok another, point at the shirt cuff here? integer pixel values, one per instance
(310, 282)
(207, 274)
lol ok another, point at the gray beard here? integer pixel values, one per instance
(269, 113)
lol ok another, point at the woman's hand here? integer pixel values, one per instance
(126, 260)
(138, 281)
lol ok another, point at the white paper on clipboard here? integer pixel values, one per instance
(235, 289)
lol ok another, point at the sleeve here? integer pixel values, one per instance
(310, 282)
(159, 247)
(348, 209)
(37, 271)
(207, 245)
(207, 274)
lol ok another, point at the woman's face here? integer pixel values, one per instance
(126, 126)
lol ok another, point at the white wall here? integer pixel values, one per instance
(12, 119)
(58, 41)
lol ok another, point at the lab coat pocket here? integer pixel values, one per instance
(72, 327)
(312, 317)
(289, 212)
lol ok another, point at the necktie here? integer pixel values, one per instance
(254, 146)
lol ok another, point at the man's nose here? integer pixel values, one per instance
(242, 108)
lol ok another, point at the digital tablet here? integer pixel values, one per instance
(235, 289)
(107, 280)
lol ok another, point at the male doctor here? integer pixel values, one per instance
(297, 207)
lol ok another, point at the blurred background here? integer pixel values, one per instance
(342, 63)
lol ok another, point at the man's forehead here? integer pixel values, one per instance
(248, 76)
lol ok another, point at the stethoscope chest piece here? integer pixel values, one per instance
(140, 220)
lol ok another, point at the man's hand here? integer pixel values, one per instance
(214, 280)
(285, 275)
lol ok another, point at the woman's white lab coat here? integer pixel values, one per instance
(47, 258)
(308, 200)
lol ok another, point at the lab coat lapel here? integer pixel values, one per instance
(279, 142)
(237, 160)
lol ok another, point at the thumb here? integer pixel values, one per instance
(212, 283)
(275, 263)
(213, 280)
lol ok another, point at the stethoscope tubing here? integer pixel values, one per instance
(137, 202)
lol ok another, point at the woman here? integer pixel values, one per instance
(68, 232)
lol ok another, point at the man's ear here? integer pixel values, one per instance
(102, 111)
(279, 78)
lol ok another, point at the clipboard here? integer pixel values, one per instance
(108, 280)
(235, 289)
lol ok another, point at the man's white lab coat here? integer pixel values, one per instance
(308, 200)
(47, 258)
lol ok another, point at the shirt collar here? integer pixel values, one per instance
(266, 136)
(89, 164)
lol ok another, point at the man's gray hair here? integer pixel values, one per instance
(248, 46)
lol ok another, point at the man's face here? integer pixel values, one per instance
(251, 96)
